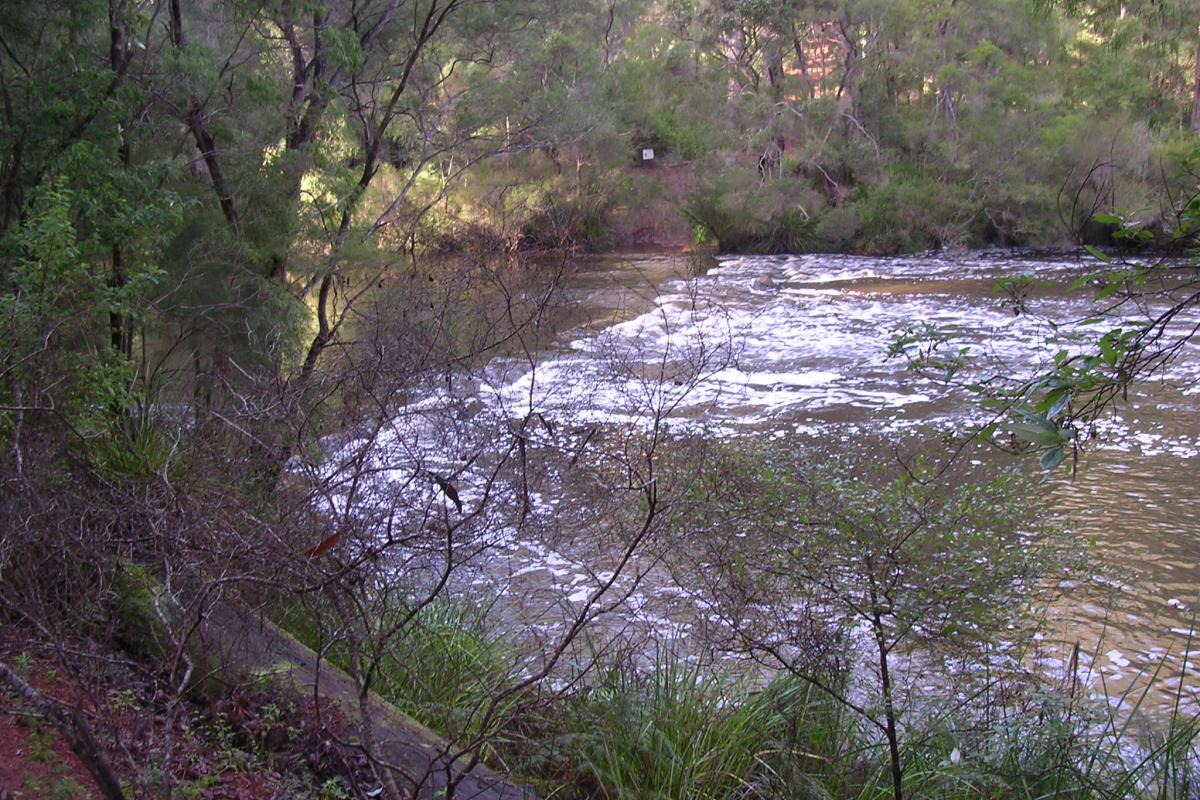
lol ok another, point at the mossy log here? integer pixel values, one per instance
(229, 645)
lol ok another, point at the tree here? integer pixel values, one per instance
(816, 561)
(1156, 38)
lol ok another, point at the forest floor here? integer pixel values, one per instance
(35, 762)
(241, 747)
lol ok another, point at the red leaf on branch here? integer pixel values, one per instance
(325, 546)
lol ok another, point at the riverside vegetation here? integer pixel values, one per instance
(257, 258)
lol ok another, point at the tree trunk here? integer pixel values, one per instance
(944, 102)
(847, 91)
(889, 708)
(802, 64)
(118, 323)
(775, 73)
(120, 327)
(879, 630)
(1196, 88)
(198, 125)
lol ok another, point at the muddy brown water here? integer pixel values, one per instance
(798, 346)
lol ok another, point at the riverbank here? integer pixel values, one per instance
(525, 480)
(248, 744)
(671, 205)
(669, 728)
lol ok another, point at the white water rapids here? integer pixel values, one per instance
(799, 345)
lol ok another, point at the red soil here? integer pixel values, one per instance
(34, 760)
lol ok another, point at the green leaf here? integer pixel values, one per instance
(1060, 404)
(1034, 417)
(1036, 434)
(1052, 458)
(1108, 290)
(1107, 350)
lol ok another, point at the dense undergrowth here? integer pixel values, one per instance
(250, 742)
(662, 725)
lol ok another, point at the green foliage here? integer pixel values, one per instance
(941, 127)
(54, 309)
(333, 789)
(572, 218)
(961, 546)
(838, 229)
(676, 729)
(745, 215)
(444, 666)
(137, 450)
(929, 561)
(68, 789)
(41, 745)
(911, 214)
(679, 730)
(663, 96)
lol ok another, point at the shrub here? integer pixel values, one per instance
(746, 215)
(914, 213)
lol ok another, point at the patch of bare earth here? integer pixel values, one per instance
(244, 746)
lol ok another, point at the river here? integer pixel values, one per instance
(798, 346)
(809, 341)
